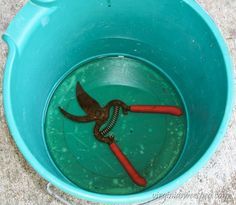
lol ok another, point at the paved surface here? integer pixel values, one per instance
(214, 184)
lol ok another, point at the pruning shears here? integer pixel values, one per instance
(100, 115)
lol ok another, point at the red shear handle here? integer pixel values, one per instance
(137, 179)
(172, 110)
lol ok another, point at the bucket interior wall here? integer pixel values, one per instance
(166, 33)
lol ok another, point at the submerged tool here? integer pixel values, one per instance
(101, 115)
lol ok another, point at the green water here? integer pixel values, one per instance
(152, 142)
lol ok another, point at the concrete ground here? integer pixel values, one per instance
(214, 184)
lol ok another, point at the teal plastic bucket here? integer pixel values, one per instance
(48, 38)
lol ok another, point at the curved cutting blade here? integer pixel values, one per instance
(76, 118)
(87, 103)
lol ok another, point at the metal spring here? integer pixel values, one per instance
(112, 121)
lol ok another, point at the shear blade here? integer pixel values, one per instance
(87, 103)
(76, 118)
